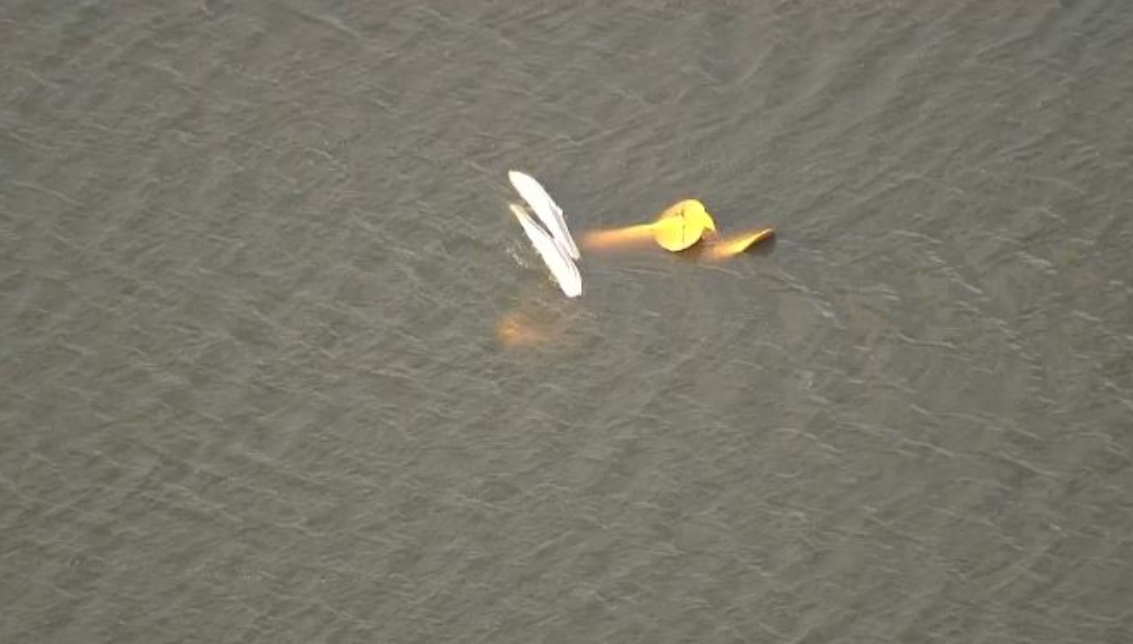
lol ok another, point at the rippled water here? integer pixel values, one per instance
(277, 366)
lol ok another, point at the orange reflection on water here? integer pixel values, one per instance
(514, 329)
(534, 327)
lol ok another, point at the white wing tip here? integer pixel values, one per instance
(563, 270)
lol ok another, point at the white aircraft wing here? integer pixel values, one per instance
(562, 266)
(545, 209)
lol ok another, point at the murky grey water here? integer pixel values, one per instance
(258, 276)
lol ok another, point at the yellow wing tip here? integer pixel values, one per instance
(740, 243)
